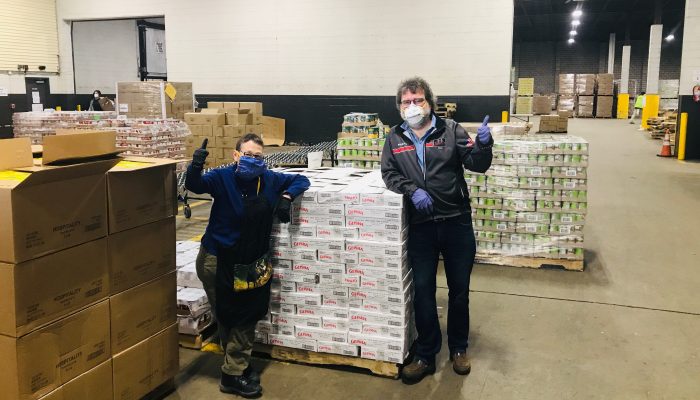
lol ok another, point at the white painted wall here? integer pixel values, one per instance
(361, 47)
(105, 52)
(690, 61)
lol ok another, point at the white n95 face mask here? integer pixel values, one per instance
(414, 115)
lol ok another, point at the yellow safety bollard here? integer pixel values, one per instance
(58, 108)
(681, 136)
(78, 108)
(504, 116)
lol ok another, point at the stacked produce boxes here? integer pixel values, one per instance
(567, 92)
(155, 99)
(341, 281)
(604, 95)
(532, 202)
(361, 142)
(585, 91)
(526, 90)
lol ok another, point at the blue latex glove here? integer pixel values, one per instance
(484, 132)
(423, 202)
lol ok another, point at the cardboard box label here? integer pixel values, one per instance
(13, 176)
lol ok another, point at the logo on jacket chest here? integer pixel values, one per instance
(403, 147)
(438, 143)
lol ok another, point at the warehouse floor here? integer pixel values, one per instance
(627, 327)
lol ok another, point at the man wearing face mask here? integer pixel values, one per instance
(100, 103)
(424, 159)
(233, 262)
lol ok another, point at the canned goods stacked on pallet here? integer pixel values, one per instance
(533, 200)
(341, 281)
(37, 124)
(361, 141)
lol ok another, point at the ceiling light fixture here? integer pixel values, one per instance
(670, 37)
(577, 13)
(575, 22)
(573, 33)
(571, 40)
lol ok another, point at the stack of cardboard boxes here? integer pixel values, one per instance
(532, 202)
(585, 91)
(70, 265)
(194, 313)
(554, 124)
(341, 281)
(567, 92)
(155, 99)
(526, 89)
(604, 95)
(668, 93)
(223, 123)
(541, 105)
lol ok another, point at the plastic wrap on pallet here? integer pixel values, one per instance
(341, 282)
(567, 84)
(567, 102)
(533, 200)
(37, 124)
(668, 88)
(149, 99)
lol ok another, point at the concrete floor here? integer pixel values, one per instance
(625, 328)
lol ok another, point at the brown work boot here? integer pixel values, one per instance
(460, 363)
(416, 371)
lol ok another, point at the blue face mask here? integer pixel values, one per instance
(250, 168)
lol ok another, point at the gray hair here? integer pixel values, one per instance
(413, 85)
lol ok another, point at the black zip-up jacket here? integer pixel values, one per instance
(448, 150)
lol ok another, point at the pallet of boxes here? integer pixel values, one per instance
(80, 272)
(668, 94)
(529, 209)
(566, 101)
(585, 95)
(342, 287)
(194, 312)
(526, 90)
(361, 141)
(155, 99)
(604, 96)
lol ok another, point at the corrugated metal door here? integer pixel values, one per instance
(28, 35)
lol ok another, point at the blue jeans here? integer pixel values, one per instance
(454, 238)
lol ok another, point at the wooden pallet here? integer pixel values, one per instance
(531, 262)
(161, 391)
(379, 368)
(196, 342)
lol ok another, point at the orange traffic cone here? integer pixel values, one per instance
(666, 146)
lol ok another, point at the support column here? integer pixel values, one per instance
(611, 54)
(623, 97)
(651, 108)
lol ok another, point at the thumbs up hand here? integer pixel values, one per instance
(200, 155)
(484, 132)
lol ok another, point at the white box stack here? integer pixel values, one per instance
(533, 200)
(194, 313)
(341, 281)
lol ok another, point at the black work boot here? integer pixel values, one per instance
(240, 385)
(416, 371)
(252, 375)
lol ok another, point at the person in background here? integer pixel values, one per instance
(424, 159)
(233, 261)
(100, 103)
(639, 104)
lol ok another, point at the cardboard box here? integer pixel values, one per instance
(604, 83)
(141, 254)
(39, 291)
(70, 145)
(273, 131)
(148, 99)
(567, 84)
(233, 131)
(256, 108)
(585, 84)
(236, 119)
(145, 366)
(604, 106)
(585, 106)
(140, 191)
(95, 384)
(523, 105)
(217, 131)
(231, 105)
(213, 110)
(541, 105)
(526, 86)
(215, 104)
(45, 209)
(41, 361)
(205, 119)
(142, 311)
(553, 124)
(226, 142)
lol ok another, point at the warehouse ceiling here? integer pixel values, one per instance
(546, 20)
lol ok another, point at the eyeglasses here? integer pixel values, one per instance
(417, 101)
(257, 156)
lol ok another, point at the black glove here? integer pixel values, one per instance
(284, 210)
(200, 155)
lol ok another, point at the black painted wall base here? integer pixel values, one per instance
(692, 142)
(309, 119)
